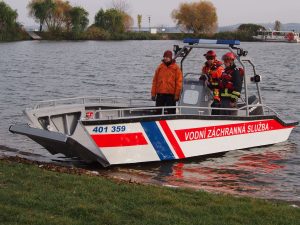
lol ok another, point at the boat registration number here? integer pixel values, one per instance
(112, 129)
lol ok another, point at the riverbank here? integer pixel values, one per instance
(14, 35)
(42, 194)
(106, 36)
(94, 34)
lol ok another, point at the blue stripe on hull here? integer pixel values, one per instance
(157, 140)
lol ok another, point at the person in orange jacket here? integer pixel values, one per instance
(211, 73)
(167, 83)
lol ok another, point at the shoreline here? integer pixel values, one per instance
(70, 169)
(31, 194)
(85, 36)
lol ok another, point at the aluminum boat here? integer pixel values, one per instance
(122, 131)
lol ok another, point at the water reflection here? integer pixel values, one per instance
(265, 172)
(254, 172)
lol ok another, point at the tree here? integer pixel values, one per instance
(277, 25)
(53, 13)
(197, 17)
(79, 19)
(8, 17)
(100, 19)
(121, 5)
(111, 20)
(58, 18)
(10, 29)
(139, 21)
(40, 10)
(128, 21)
(250, 28)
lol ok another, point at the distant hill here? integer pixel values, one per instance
(228, 28)
(284, 27)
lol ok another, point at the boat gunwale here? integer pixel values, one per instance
(189, 117)
(84, 100)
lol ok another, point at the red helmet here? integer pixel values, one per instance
(210, 53)
(228, 55)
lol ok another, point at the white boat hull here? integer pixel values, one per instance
(278, 36)
(182, 138)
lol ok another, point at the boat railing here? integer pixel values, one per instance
(138, 112)
(85, 101)
(267, 110)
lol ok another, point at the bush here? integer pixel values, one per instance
(135, 36)
(96, 33)
(14, 34)
(53, 35)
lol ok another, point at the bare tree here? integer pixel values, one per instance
(120, 5)
(277, 25)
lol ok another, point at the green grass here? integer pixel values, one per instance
(30, 195)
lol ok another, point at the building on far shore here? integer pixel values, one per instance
(155, 30)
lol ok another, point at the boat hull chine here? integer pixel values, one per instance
(56, 143)
(159, 140)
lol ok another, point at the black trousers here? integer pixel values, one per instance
(166, 100)
(215, 104)
(227, 103)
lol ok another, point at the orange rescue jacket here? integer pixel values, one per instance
(167, 80)
(214, 73)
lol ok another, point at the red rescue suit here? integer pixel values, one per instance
(231, 83)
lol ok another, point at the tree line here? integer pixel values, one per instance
(10, 29)
(58, 16)
(58, 19)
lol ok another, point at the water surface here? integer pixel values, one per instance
(42, 70)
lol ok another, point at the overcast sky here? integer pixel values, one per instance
(229, 12)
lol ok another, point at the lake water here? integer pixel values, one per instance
(41, 70)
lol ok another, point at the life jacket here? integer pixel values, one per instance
(214, 72)
(289, 36)
(242, 71)
(227, 86)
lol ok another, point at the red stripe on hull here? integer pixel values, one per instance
(172, 139)
(201, 133)
(119, 140)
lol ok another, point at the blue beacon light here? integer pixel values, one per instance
(193, 41)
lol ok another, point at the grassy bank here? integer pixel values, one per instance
(31, 195)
